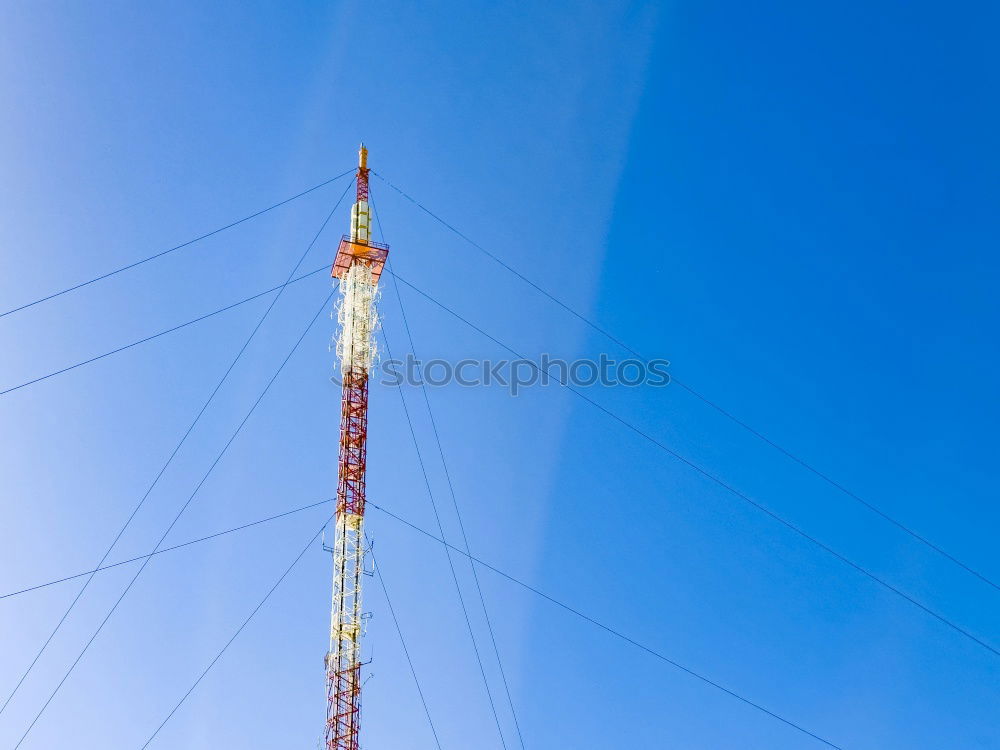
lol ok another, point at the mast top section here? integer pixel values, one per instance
(358, 246)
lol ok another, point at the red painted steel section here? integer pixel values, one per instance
(353, 444)
(344, 710)
(362, 184)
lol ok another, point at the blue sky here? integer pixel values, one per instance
(794, 204)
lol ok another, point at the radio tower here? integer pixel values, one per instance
(358, 266)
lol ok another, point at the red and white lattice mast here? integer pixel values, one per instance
(358, 267)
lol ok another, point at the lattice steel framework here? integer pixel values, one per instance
(357, 266)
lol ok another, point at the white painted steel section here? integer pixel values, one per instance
(346, 623)
(360, 222)
(358, 319)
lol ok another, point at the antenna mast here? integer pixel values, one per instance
(358, 266)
